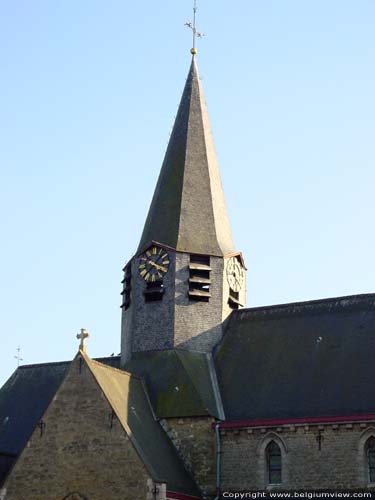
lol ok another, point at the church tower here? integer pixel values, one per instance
(186, 277)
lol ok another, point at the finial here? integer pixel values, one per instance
(18, 357)
(193, 27)
(82, 336)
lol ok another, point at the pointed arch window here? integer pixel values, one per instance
(370, 453)
(273, 459)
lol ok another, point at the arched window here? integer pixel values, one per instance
(370, 452)
(273, 458)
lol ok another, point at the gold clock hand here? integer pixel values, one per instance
(160, 268)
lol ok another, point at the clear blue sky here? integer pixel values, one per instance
(88, 94)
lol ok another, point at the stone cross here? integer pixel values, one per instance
(82, 336)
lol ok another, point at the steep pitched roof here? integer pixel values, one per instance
(25, 397)
(128, 398)
(188, 210)
(28, 392)
(180, 383)
(307, 359)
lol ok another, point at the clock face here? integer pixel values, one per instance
(153, 264)
(235, 274)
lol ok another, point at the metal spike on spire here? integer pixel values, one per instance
(193, 26)
(18, 356)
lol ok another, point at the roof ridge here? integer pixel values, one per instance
(50, 363)
(119, 370)
(333, 301)
(67, 362)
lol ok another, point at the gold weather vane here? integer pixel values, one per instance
(193, 27)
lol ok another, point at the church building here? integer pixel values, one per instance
(208, 397)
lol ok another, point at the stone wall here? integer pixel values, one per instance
(198, 325)
(79, 447)
(194, 439)
(313, 456)
(148, 325)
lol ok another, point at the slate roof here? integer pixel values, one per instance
(180, 383)
(308, 359)
(188, 210)
(128, 397)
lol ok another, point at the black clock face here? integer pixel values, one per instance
(153, 264)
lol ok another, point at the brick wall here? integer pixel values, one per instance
(81, 448)
(338, 462)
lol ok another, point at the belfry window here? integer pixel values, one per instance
(126, 287)
(370, 453)
(273, 458)
(233, 299)
(199, 278)
(154, 291)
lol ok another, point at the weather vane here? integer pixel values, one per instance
(18, 357)
(193, 27)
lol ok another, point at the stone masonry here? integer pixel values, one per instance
(194, 439)
(176, 321)
(78, 447)
(338, 462)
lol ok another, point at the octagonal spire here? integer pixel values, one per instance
(188, 211)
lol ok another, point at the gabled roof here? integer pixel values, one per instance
(180, 383)
(308, 359)
(25, 397)
(188, 210)
(128, 398)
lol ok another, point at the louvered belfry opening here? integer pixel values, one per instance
(233, 299)
(199, 278)
(126, 287)
(154, 291)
